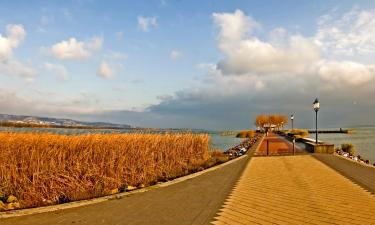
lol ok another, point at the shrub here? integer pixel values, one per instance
(348, 147)
(246, 134)
(217, 157)
(298, 133)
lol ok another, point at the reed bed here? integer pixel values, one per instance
(43, 169)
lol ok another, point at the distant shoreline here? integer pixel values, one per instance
(29, 125)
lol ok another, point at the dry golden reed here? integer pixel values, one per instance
(41, 169)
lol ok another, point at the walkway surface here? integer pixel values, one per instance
(295, 190)
(194, 201)
(277, 146)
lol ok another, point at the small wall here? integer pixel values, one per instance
(320, 148)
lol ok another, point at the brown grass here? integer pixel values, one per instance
(298, 133)
(41, 169)
(246, 134)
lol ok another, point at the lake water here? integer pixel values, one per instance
(363, 139)
(217, 142)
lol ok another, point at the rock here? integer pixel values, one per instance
(130, 188)
(47, 201)
(114, 191)
(13, 205)
(3, 207)
(11, 199)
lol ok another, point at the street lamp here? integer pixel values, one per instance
(316, 106)
(292, 118)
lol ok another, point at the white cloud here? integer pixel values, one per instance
(13, 102)
(15, 68)
(73, 49)
(352, 33)
(247, 54)
(59, 70)
(175, 54)
(352, 73)
(105, 71)
(15, 35)
(234, 26)
(145, 23)
(293, 54)
(9, 65)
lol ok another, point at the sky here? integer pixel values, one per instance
(189, 64)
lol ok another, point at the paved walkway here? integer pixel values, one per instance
(295, 190)
(277, 146)
(194, 201)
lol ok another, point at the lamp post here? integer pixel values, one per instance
(316, 106)
(292, 119)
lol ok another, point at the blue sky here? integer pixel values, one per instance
(195, 64)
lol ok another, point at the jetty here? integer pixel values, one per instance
(333, 131)
(298, 189)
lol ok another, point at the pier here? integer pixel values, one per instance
(333, 131)
(297, 189)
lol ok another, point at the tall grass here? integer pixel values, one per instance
(246, 134)
(41, 169)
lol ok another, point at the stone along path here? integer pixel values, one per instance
(295, 190)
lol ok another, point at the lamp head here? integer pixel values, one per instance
(316, 105)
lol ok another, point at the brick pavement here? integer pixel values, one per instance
(295, 190)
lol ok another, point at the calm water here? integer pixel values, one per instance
(224, 142)
(217, 141)
(363, 139)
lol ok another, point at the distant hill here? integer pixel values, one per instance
(48, 121)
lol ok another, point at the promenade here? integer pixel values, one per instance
(277, 189)
(295, 190)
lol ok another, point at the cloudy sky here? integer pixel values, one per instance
(189, 64)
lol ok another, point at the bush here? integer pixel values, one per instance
(298, 133)
(217, 157)
(246, 134)
(348, 147)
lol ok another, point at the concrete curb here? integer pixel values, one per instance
(31, 211)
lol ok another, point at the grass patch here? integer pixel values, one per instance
(43, 169)
(298, 133)
(246, 134)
